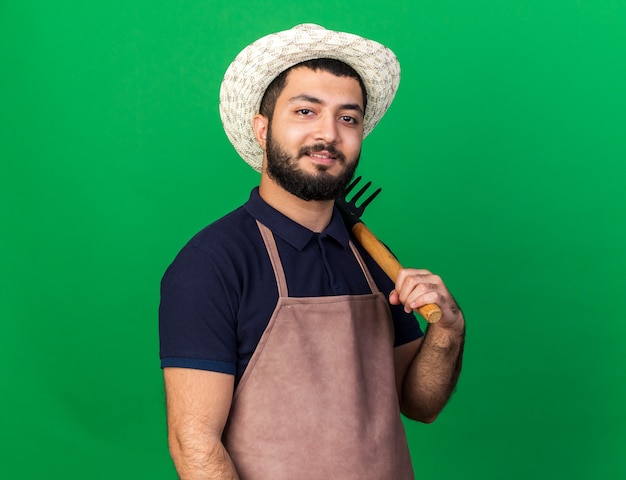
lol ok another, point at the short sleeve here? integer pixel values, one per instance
(197, 314)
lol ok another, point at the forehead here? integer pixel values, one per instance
(303, 80)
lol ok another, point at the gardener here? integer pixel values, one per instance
(287, 352)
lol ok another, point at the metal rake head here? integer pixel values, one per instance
(350, 210)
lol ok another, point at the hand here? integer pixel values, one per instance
(416, 288)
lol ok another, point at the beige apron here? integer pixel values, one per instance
(318, 398)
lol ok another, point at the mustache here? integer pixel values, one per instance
(320, 147)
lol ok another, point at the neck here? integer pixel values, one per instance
(314, 215)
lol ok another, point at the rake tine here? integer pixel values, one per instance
(369, 199)
(351, 186)
(358, 194)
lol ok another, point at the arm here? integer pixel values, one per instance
(427, 369)
(198, 403)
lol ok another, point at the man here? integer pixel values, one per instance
(287, 352)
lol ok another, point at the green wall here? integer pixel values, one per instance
(502, 167)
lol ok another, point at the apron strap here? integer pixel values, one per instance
(366, 272)
(272, 250)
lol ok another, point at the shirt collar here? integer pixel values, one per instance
(292, 232)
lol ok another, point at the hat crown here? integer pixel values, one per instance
(308, 26)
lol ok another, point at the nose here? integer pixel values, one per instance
(326, 130)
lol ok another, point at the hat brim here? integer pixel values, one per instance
(257, 65)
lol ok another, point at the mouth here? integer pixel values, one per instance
(323, 154)
(322, 157)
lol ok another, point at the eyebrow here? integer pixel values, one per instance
(309, 98)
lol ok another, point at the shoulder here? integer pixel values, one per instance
(226, 251)
(232, 230)
(228, 241)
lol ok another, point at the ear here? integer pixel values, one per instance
(259, 125)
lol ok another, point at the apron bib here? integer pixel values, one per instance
(318, 398)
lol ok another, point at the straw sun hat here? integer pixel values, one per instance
(251, 72)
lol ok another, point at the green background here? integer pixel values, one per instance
(502, 167)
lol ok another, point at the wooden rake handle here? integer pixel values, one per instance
(390, 265)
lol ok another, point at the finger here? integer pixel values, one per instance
(428, 298)
(413, 277)
(394, 298)
(415, 286)
(407, 273)
(431, 293)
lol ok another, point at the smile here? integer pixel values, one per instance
(322, 156)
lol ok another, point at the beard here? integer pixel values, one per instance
(319, 186)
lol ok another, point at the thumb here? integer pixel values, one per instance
(394, 298)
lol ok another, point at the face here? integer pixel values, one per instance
(314, 140)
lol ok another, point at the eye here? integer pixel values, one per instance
(304, 111)
(349, 119)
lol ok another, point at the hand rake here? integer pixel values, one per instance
(390, 265)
